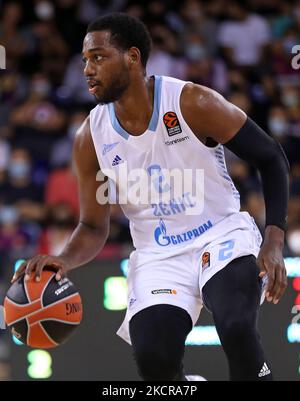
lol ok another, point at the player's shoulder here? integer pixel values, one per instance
(83, 149)
(84, 128)
(199, 95)
(171, 81)
(83, 135)
(189, 86)
(206, 93)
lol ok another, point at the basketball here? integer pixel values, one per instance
(42, 314)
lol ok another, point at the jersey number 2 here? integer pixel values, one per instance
(226, 250)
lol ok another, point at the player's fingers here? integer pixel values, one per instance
(19, 272)
(58, 275)
(30, 267)
(262, 268)
(281, 285)
(271, 281)
(277, 278)
(41, 263)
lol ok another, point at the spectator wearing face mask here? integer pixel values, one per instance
(62, 149)
(13, 239)
(38, 112)
(19, 189)
(163, 59)
(278, 124)
(200, 67)
(244, 38)
(195, 19)
(290, 99)
(37, 121)
(12, 37)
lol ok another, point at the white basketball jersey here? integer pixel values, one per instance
(177, 210)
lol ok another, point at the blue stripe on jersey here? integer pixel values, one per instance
(155, 114)
(157, 97)
(115, 123)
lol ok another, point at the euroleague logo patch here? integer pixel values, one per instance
(172, 123)
(205, 260)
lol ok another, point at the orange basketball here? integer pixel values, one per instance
(42, 314)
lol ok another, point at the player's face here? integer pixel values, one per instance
(105, 67)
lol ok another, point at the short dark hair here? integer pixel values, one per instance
(126, 31)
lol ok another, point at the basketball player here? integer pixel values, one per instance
(182, 259)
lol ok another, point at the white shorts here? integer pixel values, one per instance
(177, 276)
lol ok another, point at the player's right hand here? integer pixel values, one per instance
(37, 264)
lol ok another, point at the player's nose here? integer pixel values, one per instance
(89, 70)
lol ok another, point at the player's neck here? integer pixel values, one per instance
(134, 109)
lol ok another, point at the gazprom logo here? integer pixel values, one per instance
(162, 227)
(2, 58)
(161, 237)
(160, 234)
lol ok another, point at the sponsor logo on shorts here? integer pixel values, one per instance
(172, 123)
(73, 307)
(164, 291)
(205, 260)
(264, 371)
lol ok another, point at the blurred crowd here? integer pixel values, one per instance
(241, 49)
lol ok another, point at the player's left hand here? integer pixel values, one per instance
(270, 261)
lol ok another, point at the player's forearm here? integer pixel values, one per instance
(84, 244)
(252, 144)
(275, 181)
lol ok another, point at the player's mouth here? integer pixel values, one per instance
(93, 86)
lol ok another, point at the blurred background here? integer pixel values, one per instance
(242, 50)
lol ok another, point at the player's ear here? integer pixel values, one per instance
(133, 56)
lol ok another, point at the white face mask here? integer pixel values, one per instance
(41, 87)
(290, 99)
(293, 240)
(278, 126)
(195, 52)
(8, 215)
(44, 10)
(19, 169)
